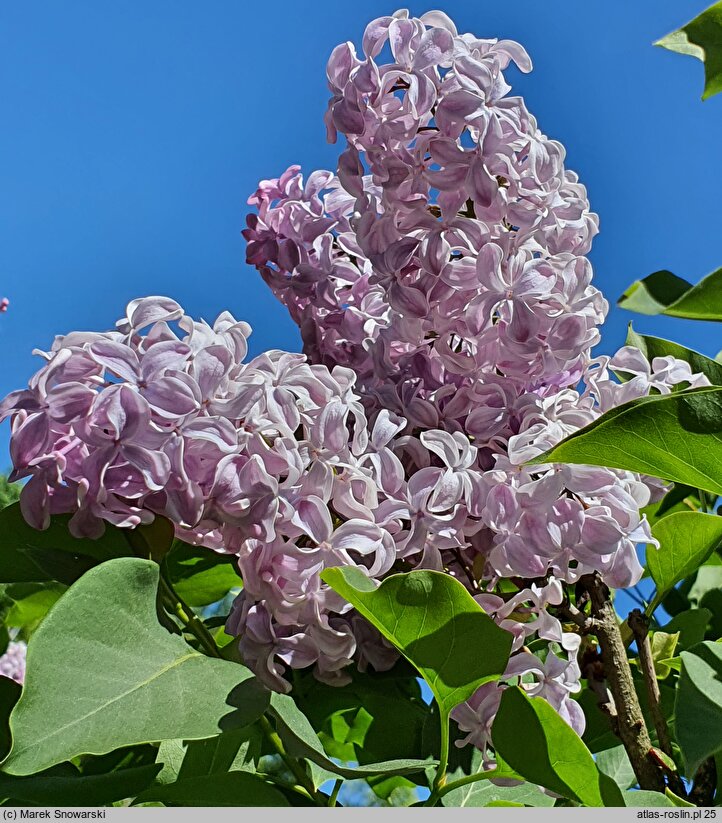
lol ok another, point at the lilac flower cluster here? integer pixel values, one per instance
(12, 662)
(444, 262)
(450, 242)
(269, 459)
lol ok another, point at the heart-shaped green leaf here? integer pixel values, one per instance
(102, 673)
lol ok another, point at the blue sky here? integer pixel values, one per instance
(133, 133)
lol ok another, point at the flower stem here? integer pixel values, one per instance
(293, 765)
(440, 779)
(186, 615)
(333, 797)
(470, 778)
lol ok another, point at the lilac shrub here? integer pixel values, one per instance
(440, 283)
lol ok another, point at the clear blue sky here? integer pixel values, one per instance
(133, 133)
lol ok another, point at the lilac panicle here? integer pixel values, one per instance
(444, 261)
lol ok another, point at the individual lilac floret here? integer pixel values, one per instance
(12, 663)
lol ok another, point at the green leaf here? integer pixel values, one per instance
(396, 791)
(31, 602)
(152, 540)
(698, 707)
(302, 741)
(229, 789)
(663, 646)
(652, 347)
(672, 663)
(484, 793)
(615, 763)
(707, 581)
(9, 696)
(665, 293)
(31, 556)
(598, 735)
(701, 38)
(235, 750)
(676, 437)
(170, 757)
(376, 717)
(201, 577)
(62, 787)
(678, 499)
(9, 492)
(535, 742)
(654, 293)
(676, 800)
(686, 540)
(643, 798)
(139, 683)
(435, 623)
(690, 625)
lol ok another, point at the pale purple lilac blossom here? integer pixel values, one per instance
(444, 262)
(12, 662)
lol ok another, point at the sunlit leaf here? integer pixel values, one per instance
(676, 437)
(701, 38)
(665, 293)
(435, 623)
(686, 540)
(616, 764)
(200, 576)
(534, 741)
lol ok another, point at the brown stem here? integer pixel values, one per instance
(639, 624)
(630, 725)
(592, 668)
